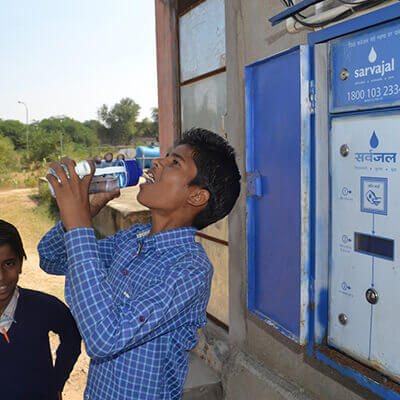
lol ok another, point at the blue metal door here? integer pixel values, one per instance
(278, 109)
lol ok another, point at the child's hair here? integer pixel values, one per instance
(217, 172)
(9, 235)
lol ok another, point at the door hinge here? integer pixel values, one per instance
(254, 186)
(311, 95)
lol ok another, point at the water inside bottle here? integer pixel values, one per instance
(103, 183)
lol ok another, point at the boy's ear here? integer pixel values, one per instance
(198, 197)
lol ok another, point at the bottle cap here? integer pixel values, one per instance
(134, 172)
(83, 168)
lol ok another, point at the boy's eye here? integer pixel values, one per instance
(175, 161)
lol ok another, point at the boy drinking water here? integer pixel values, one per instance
(139, 296)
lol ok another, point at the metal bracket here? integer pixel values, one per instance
(254, 186)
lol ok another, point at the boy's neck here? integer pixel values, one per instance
(162, 223)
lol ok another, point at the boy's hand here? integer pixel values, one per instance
(72, 194)
(98, 200)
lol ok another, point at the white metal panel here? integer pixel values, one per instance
(202, 39)
(371, 332)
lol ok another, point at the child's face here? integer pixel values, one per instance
(169, 191)
(10, 268)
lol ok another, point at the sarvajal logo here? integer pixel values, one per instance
(374, 141)
(371, 156)
(378, 69)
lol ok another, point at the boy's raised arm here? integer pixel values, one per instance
(109, 325)
(77, 209)
(53, 253)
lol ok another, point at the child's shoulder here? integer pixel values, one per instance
(195, 258)
(36, 298)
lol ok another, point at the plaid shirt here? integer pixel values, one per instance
(138, 313)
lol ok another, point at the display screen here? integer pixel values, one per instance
(373, 245)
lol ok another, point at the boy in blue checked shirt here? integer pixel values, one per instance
(139, 296)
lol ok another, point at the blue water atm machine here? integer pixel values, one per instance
(364, 135)
(327, 147)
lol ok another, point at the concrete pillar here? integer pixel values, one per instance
(167, 73)
(235, 128)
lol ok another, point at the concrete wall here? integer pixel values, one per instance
(121, 213)
(254, 360)
(250, 37)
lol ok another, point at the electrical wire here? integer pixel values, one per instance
(313, 25)
(353, 3)
(358, 6)
(291, 4)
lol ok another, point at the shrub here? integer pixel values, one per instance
(48, 204)
(15, 131)
(8, 159)
(42, 145)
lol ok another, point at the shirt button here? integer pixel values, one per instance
(142, 318)
(124, 272)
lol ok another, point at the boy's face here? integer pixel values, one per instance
(10, 268)
(170, 191)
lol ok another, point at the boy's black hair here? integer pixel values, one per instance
(217, 172)
(9, 235)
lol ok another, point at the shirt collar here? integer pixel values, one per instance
(163, 241)
(7, 318)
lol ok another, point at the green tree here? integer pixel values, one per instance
(145, 128)
(14, 130)
(71, 129)
(7, 153)
(120, 120)
(98, 128)
(44, 145)
(154, 115)
(149, 128)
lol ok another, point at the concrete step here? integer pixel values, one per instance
(202, 383)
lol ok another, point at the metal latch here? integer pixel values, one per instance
(254, 186)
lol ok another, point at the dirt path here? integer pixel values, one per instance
(19, 207)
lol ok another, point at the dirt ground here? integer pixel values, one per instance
(19, 207)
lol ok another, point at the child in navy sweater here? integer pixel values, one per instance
(26, 317)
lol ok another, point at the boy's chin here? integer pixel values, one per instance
(141, 198)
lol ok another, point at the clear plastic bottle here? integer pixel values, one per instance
(108, 175)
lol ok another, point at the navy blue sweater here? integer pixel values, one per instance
(26, 366)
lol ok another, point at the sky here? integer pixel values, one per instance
(70, 57)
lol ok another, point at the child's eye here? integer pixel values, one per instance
(9, 264)
(175, 161)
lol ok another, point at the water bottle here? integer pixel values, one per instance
(108, 175)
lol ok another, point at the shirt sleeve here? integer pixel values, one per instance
(62, 323)
(53, 253)
(110, 325)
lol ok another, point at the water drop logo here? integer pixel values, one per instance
(374, 142)
(372, 55)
